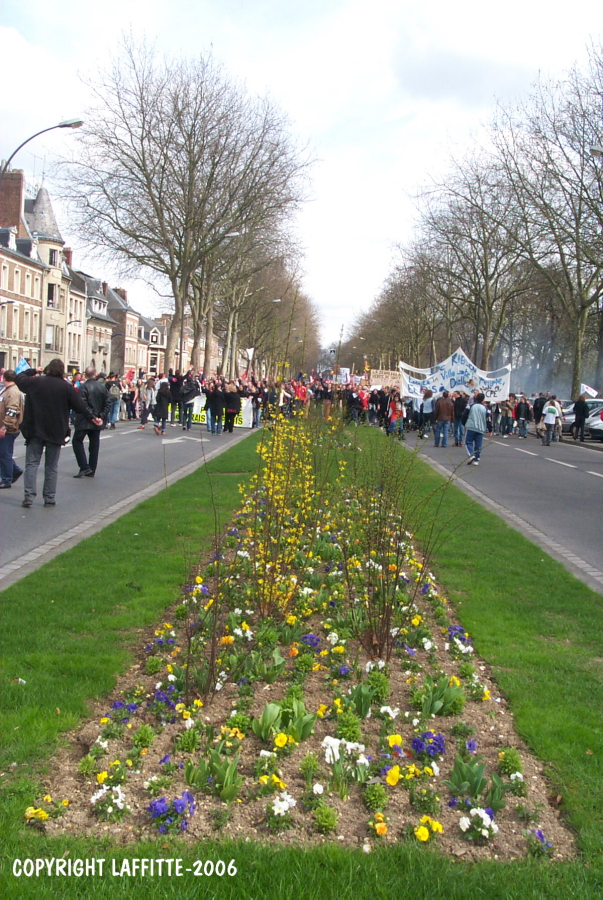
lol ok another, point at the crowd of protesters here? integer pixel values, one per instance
(91, 402)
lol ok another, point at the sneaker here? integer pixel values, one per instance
(4, 486)
(476, 462)
(113, 427)
(27, 503)
(141, 427)
(471, 459)
(49, 503)
(17, 476)
(163, 432)
(156, 429)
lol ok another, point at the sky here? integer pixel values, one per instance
(383, 92)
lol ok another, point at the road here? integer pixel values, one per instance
(552, 494)
(133, 464)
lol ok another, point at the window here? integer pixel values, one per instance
(36, 329)
(53, 257)
(17, 282)
(26, 325)
(15, 312)
(52, 297)
(4, 278)
(28, 284)
(37, 288)
(49, 342)
(154, 337)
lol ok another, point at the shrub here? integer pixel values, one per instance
(378, 682)
(326, 819)
(153, 665)
(509, 761)
(348, 726)
(375, 797)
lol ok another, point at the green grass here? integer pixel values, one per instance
(539, 627)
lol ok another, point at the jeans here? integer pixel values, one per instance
(578, 427)
(187, 415)
(441, 430)
(93, 435)
(33, 454)
(522, 427)
(257, 415)
(216, 423)
(506, 425)
(550, 432)
(396, 426)
(209, 419)
(474, 441)
(459, 429)
(113, 411)
(9, 470)
(158, 422)
(427, 423)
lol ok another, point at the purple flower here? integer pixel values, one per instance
(179, 805)
(453, 802)
(204, 589)
(119, 704)
(490, 811)
(311, 640)
(425, 589)
(183, 825)
(132, 707)
(162, 829)
(158, 807)
(345, 670)
(166, 759)
(471, 746)
(233, 532)
(186, 795)
(410, 650)
(418, 745)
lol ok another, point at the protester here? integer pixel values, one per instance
(162, 404)
(96, 397)
(581, 412)
(460, 403)
(114, 389)
(45, 424)
(476, 426)
(550, 416)
(232, 403)
(11, 416)
(444, 417)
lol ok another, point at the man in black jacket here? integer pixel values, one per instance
(581, 412)
(96, 397)
(46, 424)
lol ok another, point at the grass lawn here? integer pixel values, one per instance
(70, 628)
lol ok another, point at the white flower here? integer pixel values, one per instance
(266, 754)
(243, 553)
(171, 677)
(435, 768)
(381, 664)
(249, 612)
(238, 632)
(485, 832)
(392, 713)
(279, 808)
(317, 789)
(331, 748)
(516, 776)
(249, 634)
(494, 827)
(465, 824)
(189, 723)
(103, 744)
(332, 638)
(238, 611)
(369, 666)
(427, 645)
(362, 760)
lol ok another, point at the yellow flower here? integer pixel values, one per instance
(198, 580)
(244, 626)
(394, 739)
(436, 827)
(263, 779)
(379, 817)
(102, 777)
(47, 798)
(428, 770)
(30, 812)
(293, 651)
(116, 763)
(186, 714)
(393, 776)
(453, 681)
(64, 802)
(42, 815)
(144, 751)
(322, 709)
(416, 620)
(179, 707)
(381, 829)
(170, 668)
(227, 639)
(280, 740)
(486, 694)
(198, 703)
(291, 620)
(421, 833)
(324, 653)
(104, 720)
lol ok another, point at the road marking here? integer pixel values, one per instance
(105, 437)
(598, 474)
(188, 437)
(529, 452)
(173, 440)
(559, 463)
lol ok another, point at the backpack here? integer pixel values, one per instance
(115, 391)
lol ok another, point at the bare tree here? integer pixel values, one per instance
(176, 159)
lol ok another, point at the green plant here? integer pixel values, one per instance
(529, 814)
(153, 665)
(467, 778)
(538, 845)
(187, 741)
(226, 781)
(304, 664)
(240, 721)
(517, 785)
(466, 670)
(509, 761)
(268, 723)
(361, 698)
(439, 698)
(375, 797)
(378, 683)
(424, 799)
(462, 730)
(296, 721)
(196, 776)
(495, 797)
(144, 736)
(325, 819)
(309, 767)
(158, 784)
(87, 765)
(349, 726)
(220, 817)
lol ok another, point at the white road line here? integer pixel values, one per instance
(529, 452)
(559, 463)
(598, 474)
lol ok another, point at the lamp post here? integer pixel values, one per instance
(68, 123)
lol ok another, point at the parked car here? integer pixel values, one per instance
(595, 406)
(595, 429)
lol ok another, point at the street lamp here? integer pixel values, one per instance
(68, 123)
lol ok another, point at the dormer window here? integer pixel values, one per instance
(53, 257)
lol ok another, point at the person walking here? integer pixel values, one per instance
(550, 415)
(581, 411)
(233, 407)
(522, 415)
(161, 411)
(444, 417)
(45, 426)
(96, 397)
(114, 389)
(189, 392)
(427, 410)
(460, 403)
(11, 416)
(476, 426)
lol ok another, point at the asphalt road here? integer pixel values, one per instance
(552, 494)
(132, 464)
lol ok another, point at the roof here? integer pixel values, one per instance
(40, 218)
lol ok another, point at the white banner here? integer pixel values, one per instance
(457, 373)
(585, 389)
(243, 420)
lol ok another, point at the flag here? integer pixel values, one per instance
(22, 366)
(584, 389)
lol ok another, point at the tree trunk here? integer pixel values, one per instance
(599, 369)
(209, 329)
(234, 369)
(578, 338)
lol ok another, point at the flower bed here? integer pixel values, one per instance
(311, 685)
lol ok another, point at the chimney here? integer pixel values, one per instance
(68, 256)
(105, 288)
(122, 293)
(12, 192)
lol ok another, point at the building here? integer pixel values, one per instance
(99, 325)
